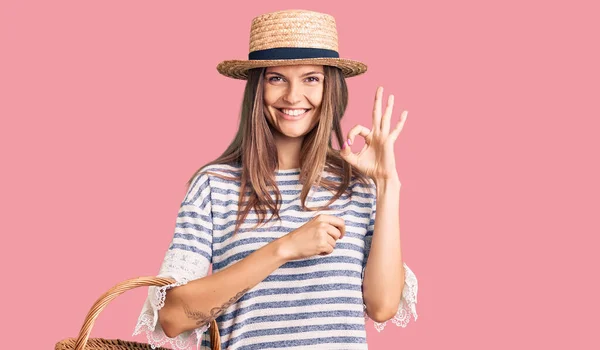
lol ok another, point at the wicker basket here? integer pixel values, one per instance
(83, 342)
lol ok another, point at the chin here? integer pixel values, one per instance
(293, 133)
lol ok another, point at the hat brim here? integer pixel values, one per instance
(238, 69)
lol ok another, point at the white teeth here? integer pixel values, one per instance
(293, 112)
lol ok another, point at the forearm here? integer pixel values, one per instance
(384, 273)
(198, 302)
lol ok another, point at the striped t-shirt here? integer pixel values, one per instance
(314, 302)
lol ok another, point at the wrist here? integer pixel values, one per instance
(388, 183)
(280, 251)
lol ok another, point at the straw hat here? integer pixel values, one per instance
(292, 37)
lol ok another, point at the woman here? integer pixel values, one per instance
(299, 257)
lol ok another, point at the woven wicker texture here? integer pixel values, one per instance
(292, 29)
(84, 342)
(108, 344)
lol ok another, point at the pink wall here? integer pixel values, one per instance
(109, 107)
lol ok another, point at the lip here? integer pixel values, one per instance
(293, 118)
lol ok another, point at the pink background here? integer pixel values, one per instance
(108, 107)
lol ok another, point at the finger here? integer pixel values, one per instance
(348, 156)
(341, 226)
(334, 221)
(358, 130)
(330, 245)
(377, 110)
(333, 233)
(331, 241)
(394, 134)
(346, 151)
(387, 116)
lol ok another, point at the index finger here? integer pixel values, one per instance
(335, 221)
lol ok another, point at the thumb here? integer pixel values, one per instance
(347, 155)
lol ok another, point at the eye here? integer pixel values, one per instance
(315, 79)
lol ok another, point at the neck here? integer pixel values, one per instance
(288, 151)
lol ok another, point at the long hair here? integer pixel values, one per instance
(253, 148)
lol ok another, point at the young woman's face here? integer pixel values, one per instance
(288, 92)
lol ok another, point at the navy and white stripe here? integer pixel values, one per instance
(315, 301)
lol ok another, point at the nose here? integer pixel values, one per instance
(293, 94)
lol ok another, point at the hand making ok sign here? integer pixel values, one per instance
(376, 159)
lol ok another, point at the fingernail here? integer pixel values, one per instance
(344, 146)
(349, 142)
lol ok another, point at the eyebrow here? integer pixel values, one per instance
(303, 75)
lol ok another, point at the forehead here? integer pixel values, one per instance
(295, 69)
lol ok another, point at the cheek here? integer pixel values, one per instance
(316, 98)
(269, 96)
(315, 117)
(269, 115)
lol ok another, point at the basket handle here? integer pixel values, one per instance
(121, 288)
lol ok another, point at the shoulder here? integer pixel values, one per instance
(209, 178)
(217, 170)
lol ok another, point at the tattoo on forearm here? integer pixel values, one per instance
(203, 319)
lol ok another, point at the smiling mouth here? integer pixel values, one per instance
(306, 110)
(292, 117)
(289, 117)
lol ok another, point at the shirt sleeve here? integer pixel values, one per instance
(187, 258)
(408, 302)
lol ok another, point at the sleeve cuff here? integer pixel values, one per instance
(148, 320)
(408, 302)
